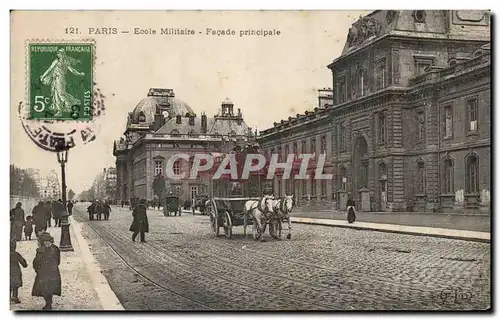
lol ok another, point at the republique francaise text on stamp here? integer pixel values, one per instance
(60, 81)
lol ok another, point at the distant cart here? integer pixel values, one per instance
(172, 205)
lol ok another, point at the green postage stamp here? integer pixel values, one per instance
(60, 81)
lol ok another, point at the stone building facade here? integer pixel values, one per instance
(161, 126)
(409, 118)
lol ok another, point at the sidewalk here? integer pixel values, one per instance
(456, 221)
(412, 230)
(83, 285)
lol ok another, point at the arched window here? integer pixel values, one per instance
(175, 132)
(177, 167)
(448, 187)
(472, 173)
(420, 177)
(158, 166)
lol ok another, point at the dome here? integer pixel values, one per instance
(147, 108)
(227, 102)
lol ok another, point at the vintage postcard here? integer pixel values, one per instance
(250, 160)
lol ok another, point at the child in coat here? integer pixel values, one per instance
(28, 227)
(16, 276)
(46, 265)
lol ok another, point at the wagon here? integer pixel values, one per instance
(172, 205)
(226, 206)
(228, 213)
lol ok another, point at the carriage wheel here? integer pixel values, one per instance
(228, 225)
(215, 224)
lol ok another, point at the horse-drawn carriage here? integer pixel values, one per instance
(172, 205)
(246, 201)
(99, 210)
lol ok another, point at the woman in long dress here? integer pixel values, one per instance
(55, 77)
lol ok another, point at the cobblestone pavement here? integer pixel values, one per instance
(183, 266)
(436, 220)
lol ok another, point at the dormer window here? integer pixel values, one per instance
(142, 117)
(178, 119)
(175, 132)
(191, 120)
(419, 16)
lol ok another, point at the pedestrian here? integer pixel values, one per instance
(46, 264)
(122, 203)
(70, 208)
(28, 228)
(90, 210)
(58, 210)
(39, 213)
(106, 209)
(351, 211)
(48, 213)
(16, 222)
(140, 223)
(16, 276)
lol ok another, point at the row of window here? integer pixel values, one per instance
(290, 187)
(176, 167)
(471, 118)
(295, 150)
(448, 187)
(471, 176)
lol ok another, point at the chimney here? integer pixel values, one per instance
(204, 123)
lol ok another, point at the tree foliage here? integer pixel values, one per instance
(22, 183)
(71, 194)
(159, 185)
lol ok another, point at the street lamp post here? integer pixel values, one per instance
(62, 158)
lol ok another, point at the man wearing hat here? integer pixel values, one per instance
(46, 264)
(140, 223)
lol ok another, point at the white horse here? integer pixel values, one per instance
(282, 207)
(261, 211)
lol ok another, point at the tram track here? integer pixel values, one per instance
(140, 274)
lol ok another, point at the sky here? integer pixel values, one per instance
(269, 78)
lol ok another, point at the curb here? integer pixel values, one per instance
(107, 297)
(408, 232)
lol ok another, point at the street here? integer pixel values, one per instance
(182, 266)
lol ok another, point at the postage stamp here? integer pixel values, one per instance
(60, 81)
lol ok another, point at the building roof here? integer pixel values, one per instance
(149, 105)
(218, 125)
